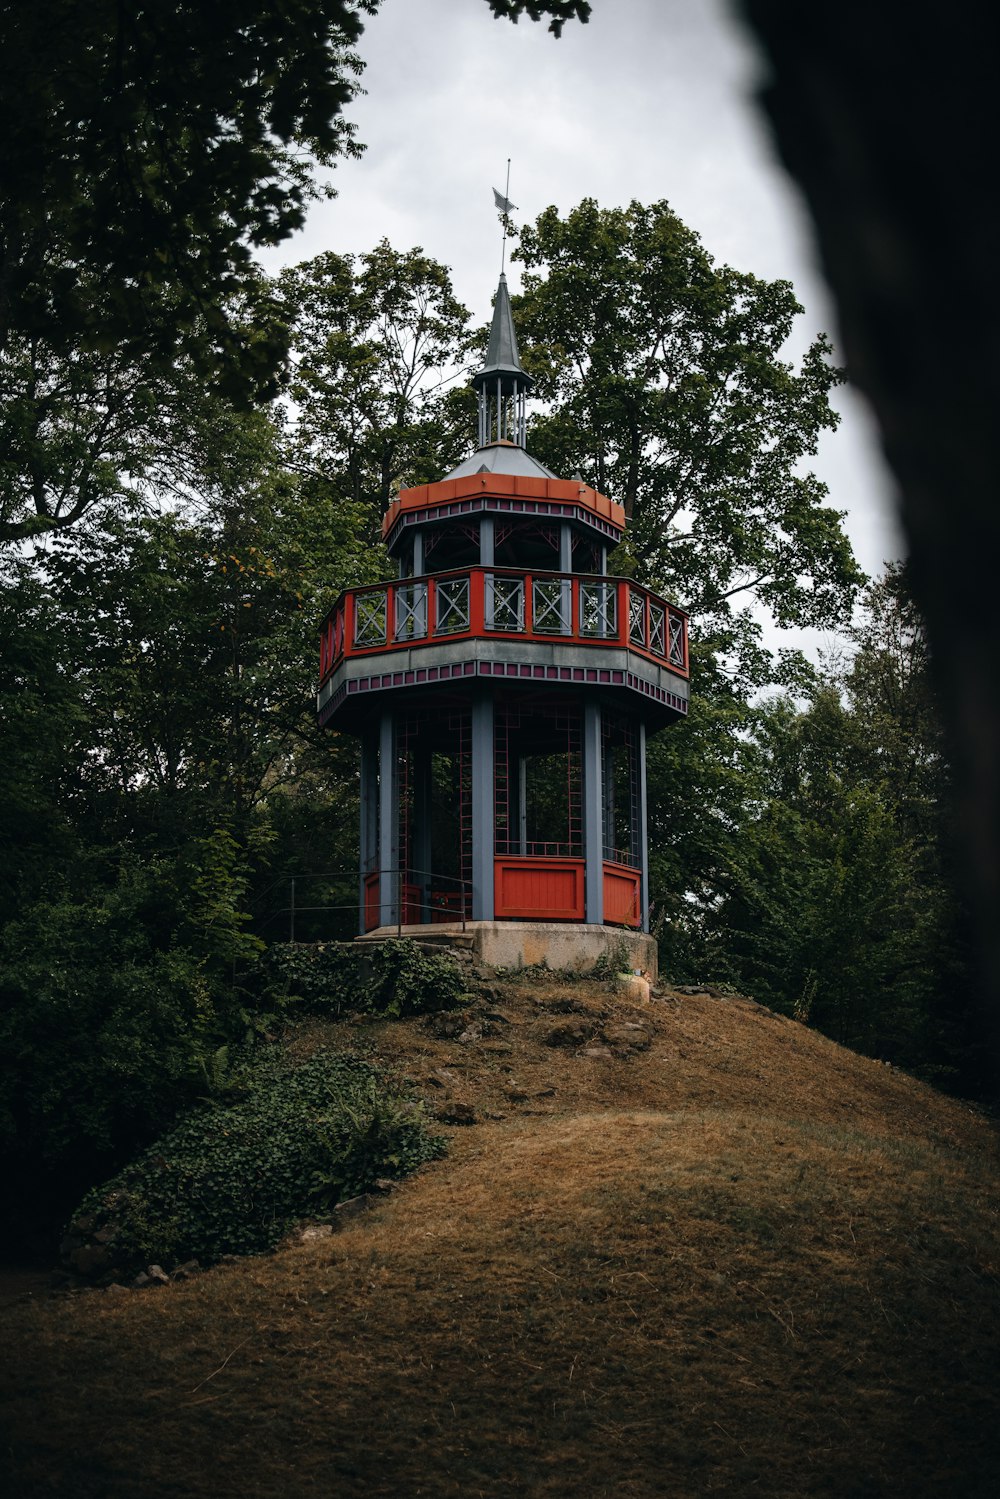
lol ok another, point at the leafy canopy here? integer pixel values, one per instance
(146, 150)
(666, 384)
(376, 343)
(559, 11)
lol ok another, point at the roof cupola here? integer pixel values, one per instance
(502, 385)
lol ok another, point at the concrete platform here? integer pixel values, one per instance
(572, 946)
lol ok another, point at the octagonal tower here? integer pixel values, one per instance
(503, 688)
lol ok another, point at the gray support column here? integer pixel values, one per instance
(602, 560)
(522, 805)
(421, 835)
(369, 815)
(388, 830)
(487, 555)
(420, 597)
(483, 815)
(566, 566)
(593, 843)
(643, 840)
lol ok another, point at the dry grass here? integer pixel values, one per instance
(741, 1260)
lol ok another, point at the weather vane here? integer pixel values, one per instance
(503, 203)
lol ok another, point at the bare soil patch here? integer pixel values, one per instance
(693, 1248)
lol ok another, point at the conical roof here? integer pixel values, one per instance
(502, 357)
(501, 458)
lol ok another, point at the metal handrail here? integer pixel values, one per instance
(465, 887)
(295, 909)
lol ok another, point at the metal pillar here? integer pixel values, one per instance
(487, 545)
(643, 842)
(566, 566)
(390, 878)
(418, 553)
(483, 815)
(421, 835)
(369, 816)
(593, 842)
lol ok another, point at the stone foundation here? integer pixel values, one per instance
(573, 946)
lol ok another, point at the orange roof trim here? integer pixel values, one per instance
(504, 486)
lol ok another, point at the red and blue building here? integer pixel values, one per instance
(503, 688)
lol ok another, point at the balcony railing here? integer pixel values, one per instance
(498, 603)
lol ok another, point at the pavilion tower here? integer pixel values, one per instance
(503, 688)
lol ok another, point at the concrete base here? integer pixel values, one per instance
(572, 946)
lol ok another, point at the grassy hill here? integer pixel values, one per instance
(687, 1248)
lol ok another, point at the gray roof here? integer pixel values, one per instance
(502, 355)
(502, 458)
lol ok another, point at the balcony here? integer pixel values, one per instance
(501, 604)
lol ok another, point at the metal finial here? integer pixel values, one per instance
(505, 205)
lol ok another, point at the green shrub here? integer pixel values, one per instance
(103, 1037)
(232, 1177)
(392, 978)
(615, 959)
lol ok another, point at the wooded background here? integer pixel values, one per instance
(194, 461)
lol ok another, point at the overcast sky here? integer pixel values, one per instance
(653, 99)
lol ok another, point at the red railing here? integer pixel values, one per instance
(502, 604)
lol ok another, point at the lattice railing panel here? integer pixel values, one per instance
(549, 612)
(636, 617)
(452, 615)
(411, 611)
(677, 642)
(598, 609)
(370, 613)
(504, 603)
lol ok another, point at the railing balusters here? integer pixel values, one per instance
(483, 601)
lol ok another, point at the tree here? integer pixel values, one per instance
(161, 749)
(841, 901)
(146, 150)
(665, 385)
(84, 432)
(376, 341)
(559, 11)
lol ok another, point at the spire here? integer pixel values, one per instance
(502, 385)
(502, 353)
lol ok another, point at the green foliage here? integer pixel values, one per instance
(376, 341)
(391, 979)
(613, 960)
(105, 1024)
(41, 717)
(558, 11)
(837, 894)
(156, 146)
(292, 1140)
(218, 892)
(667, 387)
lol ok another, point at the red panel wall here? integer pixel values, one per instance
(371, 902)
(622, 896)
(539, 889)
